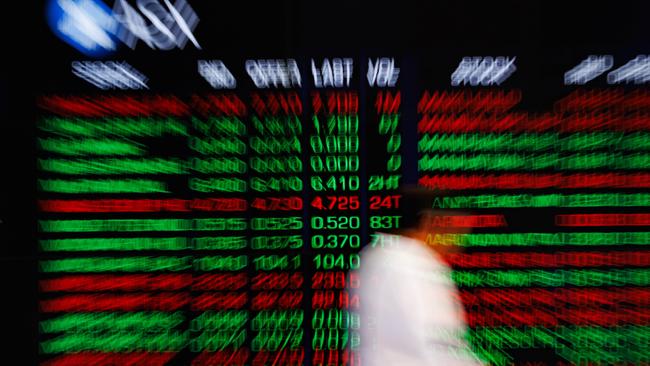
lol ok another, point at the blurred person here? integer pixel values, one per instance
(409, 309)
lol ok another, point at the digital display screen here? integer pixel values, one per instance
(197, 183)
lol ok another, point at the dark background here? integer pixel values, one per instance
(547, 37)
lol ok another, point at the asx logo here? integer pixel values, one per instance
(94, 29)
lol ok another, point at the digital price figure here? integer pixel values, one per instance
(218, 308)
(385, 168)
(335, 223)
(276, 174)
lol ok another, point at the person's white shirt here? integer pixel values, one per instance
(408, 308)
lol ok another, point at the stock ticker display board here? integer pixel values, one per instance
(203, 187)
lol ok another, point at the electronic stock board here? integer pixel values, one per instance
(197, 182)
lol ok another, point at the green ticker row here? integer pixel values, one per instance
(102, 321)
(293, 164)
(579, 345)
(92, 146)
(156, 127)
(154, 321)
(535, 239)
(470, 161)
(136, 225)
(474, 142)
(113, 166)
(479, 278)
(240, 242)
(544, 200)
(585, 343)
(144, 264)
(120, 146)
(537, 337)
(552, 278)
(117, 342)
(212, 165)
(81, 186)
(206, 341)
(143, 127)
(137, 244)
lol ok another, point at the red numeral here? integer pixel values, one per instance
(379, 202)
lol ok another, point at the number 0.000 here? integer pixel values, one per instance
(341, 144)
(335, 163)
